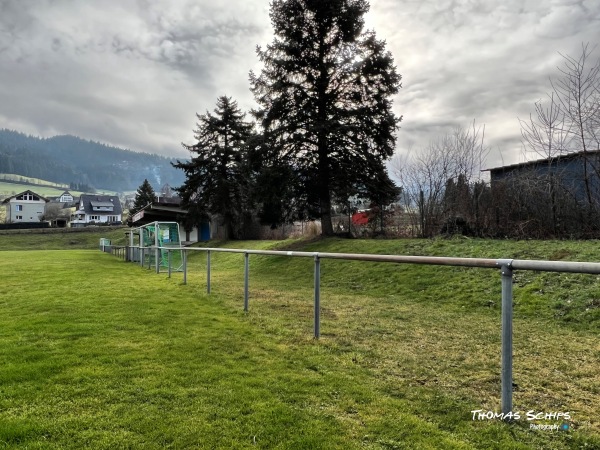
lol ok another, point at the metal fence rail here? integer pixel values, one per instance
(505, 266)
(117, 250)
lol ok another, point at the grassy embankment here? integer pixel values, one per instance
(60, 238)
(104, 354)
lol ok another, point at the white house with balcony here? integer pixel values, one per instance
(25, 207)
(97, 210)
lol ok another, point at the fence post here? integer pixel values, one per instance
(157, 262)
(142, 255)
(507, 325)
(317, 297)
(184, 267)
(169, 261)
(208, 272)
(246, 279)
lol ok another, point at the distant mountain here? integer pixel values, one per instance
(75, 161)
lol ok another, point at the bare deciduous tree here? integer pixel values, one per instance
(546, 135)
(577, 93)
(425, 173)
(568, 122)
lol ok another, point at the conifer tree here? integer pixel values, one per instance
(216, 176)
(325, 100)
(144, 196)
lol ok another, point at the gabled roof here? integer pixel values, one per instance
(163, 209)
(98, 204)
(536, 162)
(89, 201)
(56, 197)
(25, 192)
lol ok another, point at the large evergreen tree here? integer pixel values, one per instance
(325, 100)
(217, 176)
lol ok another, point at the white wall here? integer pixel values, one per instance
(31, 211)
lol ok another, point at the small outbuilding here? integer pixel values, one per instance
(170, 210)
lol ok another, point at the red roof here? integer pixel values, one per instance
(360, 218)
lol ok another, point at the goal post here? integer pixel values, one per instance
(165, 237)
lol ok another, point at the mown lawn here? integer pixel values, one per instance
(100, 353)
(60, 238)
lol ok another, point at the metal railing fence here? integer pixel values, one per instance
(119, 251)
(505, 266)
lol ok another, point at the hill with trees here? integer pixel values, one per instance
(78, 162)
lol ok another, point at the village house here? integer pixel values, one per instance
(25, 207)
(59, 209)
(66, 197)
(96, 209)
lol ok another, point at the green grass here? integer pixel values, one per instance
(7, 189)
(20, 178)
(60, 238)
(100, 353)
(41, 187)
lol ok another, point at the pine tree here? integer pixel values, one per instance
(325, 100)
(144, 196)
(217, 176)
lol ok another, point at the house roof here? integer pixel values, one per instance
(97, 204)
(360, 218)
(25, 192)
(89, 201)
(564, 157)
(56, 199)
(163, 209)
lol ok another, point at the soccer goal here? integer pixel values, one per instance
(158, 240)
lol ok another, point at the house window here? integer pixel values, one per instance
(94, 217)
(19, 207)
(19, 217)
(28, 197)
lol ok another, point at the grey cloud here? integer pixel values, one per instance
(135, 72)
(486, 60)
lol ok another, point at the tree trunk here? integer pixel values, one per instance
(326, 224)
(324, 194)
(422, 212)
(323, 162)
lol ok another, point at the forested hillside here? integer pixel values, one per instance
(72, 160)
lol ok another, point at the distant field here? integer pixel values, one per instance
(20, 178)
(8, 189)
(98, 353)
(41, 187)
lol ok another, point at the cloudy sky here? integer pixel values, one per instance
(133, 73)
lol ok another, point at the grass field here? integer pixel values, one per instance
(60, 238)
(22, 179)
(100, 353)
(8, 189)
